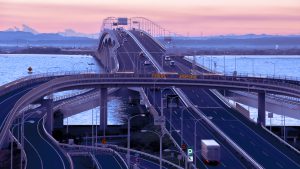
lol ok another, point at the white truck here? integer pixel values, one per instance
(210, 151)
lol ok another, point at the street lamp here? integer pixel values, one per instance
(181, 125)
(128, 135)
(195, 140)
(171, 111)
(161, 100)
(160, 135)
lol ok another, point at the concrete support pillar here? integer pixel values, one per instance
(48, 104)
(103, 109)
(261, 108)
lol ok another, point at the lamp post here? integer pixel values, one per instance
(160, 135)
(181, 125)
(161, 100)
(195, 140)
(171, 112)
(128, 135)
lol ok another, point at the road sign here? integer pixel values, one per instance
(190, 158)
(190, 155)
(159, 120)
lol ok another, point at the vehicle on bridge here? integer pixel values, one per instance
(210, 151)
(147, 62)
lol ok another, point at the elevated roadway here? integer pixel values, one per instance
(257, 143)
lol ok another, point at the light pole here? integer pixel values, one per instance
(160, 135)
(171, 111)
(181, 125)
(128, 135)
(195, 140)
(161, 100)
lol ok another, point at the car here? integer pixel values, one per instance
(167, 58)
(172, 63)
(141, 54)
(147, 62)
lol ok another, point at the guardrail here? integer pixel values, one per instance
(149, 156)
(156, 65)
(90, 79)
(258, 75)
(85, 148)
(222, 134)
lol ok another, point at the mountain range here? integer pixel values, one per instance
(27, 36)
(66, 32)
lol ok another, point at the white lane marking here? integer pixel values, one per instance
(188, 126)
(37, 127)
(255, 133)
(2, 123)
(98, 165)
(223, 165)
(117, 162)
(278, 164)
(242, 134)
(212, 137)
(35, 152)
(266, 154)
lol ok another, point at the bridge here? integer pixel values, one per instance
(202, 113)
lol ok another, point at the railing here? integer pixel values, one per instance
(149, 156)
(90, 78)
(252, 162)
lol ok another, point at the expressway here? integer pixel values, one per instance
(265, 149)
(255, 141)
(203, 132)
(40, 150)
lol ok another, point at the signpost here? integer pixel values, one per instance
(190, 155)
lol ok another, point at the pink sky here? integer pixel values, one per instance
(193, 17)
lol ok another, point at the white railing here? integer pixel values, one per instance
(215, 128)
(150, 156)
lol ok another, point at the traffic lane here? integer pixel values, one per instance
(48, 153)
(34, 159)
(108, 161)
(142, 162)
(245, 137)
(227, 158)
(188, 134)
(8, 103)
(192, 99)
(83, 162)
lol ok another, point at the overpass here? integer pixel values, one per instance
(121, 56)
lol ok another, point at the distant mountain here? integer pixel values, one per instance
(24, 28)
(71, 32)
(20, 38)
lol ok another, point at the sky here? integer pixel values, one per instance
(186, 17)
